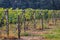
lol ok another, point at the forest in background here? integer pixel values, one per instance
(35, 4)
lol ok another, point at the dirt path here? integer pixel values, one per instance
(28, 38)
(31, 37)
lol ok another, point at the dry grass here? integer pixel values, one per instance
(46, 33)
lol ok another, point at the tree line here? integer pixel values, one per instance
(35, 4)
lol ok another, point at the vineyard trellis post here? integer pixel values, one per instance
(42, 20)
(19, 27)
(24, 20)
(34, 20)
(7, 22)
(55, 17)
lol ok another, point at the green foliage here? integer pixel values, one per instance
(51, 36)
(25, 34)
(28, 13)
(13, 14)
(1, 13)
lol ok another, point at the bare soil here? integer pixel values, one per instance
(25, 38)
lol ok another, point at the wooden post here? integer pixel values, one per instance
(7, 22)
(42, 22)
(24, 20)
(40, 18)
(34, 20)
(19, 29)
(54, 17)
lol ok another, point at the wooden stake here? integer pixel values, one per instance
(24, 20)
(19, 29)
(34, 20)
(7, 22)
(42, 22)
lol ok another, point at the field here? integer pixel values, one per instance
(51, 32)
(33, 24)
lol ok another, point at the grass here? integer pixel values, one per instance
(49, 34)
